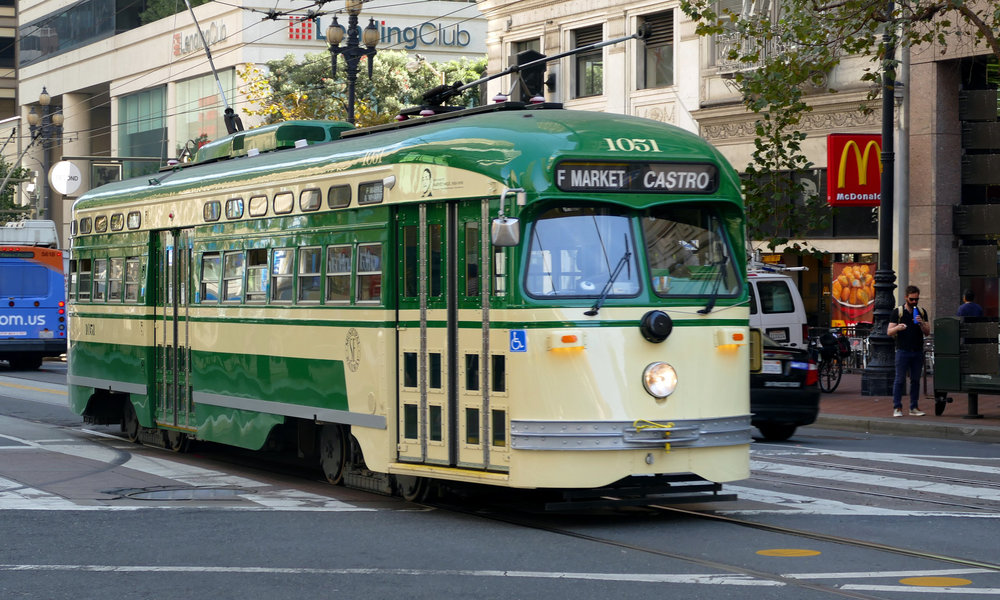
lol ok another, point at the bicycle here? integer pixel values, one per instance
(826, 351)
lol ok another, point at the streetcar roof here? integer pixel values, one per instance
(515, 146)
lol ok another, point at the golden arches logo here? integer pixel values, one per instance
(861, 158)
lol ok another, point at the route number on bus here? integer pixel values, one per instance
(632, 145)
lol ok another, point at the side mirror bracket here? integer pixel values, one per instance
(506, 231)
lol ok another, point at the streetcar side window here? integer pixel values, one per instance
(101, 224)
(85, 225)
(410, 261)
(117, 222)
(310, 200)
(133, 220)
(339, 196)
(338, 274)
(213, 210)
(258, 206)
(284, 202)
(211, 267)
(234, 208)
(310, 280)
(132, 279)
(83, 285)
(282, 274)
(100, 279)
(232, 277)
(116, 272)
(257, 275)
(369, 288)
(74, 266)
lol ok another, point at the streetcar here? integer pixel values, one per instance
(512, 295)
(32, 294)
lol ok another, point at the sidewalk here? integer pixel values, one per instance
(847, 409)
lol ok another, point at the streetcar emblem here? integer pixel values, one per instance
(352, 350)
(518, 340)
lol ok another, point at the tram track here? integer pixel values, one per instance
(505, 515)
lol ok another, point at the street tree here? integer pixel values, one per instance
(292, 89)
(9, 211)
(787, 49)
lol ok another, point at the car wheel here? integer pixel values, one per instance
(776, 433)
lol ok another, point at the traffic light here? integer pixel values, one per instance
(532, 79)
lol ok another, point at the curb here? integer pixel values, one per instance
(891, 426)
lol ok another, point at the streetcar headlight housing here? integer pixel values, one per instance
(660, 379)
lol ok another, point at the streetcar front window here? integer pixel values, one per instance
(688, 254)
(577, 251)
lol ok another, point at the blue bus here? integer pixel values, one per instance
(32, 295)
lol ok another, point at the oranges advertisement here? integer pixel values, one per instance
(853, 292)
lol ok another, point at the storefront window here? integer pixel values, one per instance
(142, 130)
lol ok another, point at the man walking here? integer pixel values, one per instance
(908, 324)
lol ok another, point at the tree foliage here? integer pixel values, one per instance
(293, 89)
(784, 57)
(9, 211)
(158, 9)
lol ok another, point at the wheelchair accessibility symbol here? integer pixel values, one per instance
(518, 340)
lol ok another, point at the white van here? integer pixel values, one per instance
(776, 308)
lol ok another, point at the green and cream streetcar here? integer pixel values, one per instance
(513, 295)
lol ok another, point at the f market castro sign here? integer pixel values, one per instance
(854, 169)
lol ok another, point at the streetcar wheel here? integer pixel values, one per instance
(130, 422)
(333, 452)
(412, 488)
(776, 432)
(177, 441)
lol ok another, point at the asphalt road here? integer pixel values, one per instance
(84, 514)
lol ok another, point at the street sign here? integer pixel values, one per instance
(65, 178)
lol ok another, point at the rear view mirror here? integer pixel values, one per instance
(505, 231)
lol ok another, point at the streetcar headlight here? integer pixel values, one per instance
(660, 379)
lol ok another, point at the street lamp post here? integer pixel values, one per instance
(46, 127)
(878, 376)
(352, 51)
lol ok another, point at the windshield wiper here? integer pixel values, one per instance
(611, 280)
(715, 289)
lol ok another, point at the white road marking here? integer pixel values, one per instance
(788, 503)
(741, 580)
(845, 476)
(914, 460)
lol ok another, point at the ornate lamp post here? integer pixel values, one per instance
(877, 378)
(46, 127)
(352, 51)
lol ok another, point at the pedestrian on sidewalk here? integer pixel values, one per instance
(908, 324)
(969, 308)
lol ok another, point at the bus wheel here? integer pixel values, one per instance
(130, 422)
(412, 488)
(177, 441)
(333, 452)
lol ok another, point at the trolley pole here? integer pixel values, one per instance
(878, 376)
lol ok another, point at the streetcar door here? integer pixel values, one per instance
(425, 353)
(445, 381)
(173, 350)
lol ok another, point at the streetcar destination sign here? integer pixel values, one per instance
(690, 178)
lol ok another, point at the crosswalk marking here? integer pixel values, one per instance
(843, 476)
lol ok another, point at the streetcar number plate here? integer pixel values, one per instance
(771, 367)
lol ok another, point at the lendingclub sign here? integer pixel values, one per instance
(854, 169)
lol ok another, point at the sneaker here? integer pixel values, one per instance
(916, 412)
(897, 412)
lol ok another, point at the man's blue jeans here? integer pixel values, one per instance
(912, 363)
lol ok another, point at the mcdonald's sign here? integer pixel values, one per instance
(853, 169)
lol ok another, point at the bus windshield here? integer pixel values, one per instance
(687, 252)
(574, 251)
